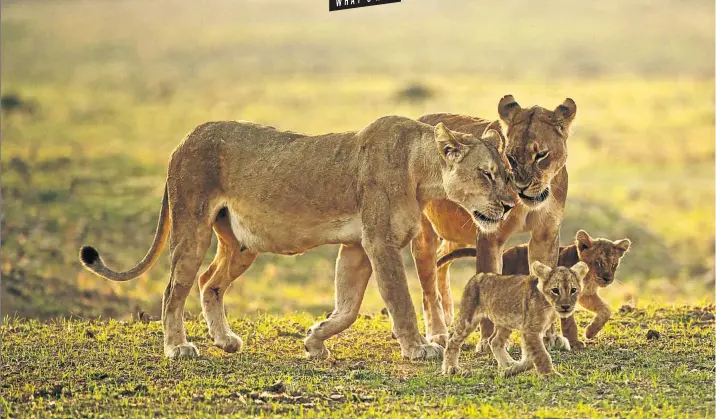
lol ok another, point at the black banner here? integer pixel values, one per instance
(334, 5)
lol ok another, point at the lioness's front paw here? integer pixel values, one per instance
(483, 346)
(315, 349)
(184, 350)
(431, 351)
(230, 343)
(441, 340)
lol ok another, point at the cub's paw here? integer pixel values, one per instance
(315, 349)
(441, 340)
(578, 345)
(230, 343)
(184, 350)
(429, 352)
(451, 369)
(551, 374)
(591, 331)
(483, 346)
(557, 342)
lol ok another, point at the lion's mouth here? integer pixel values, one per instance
(484, 218)
(541, 197)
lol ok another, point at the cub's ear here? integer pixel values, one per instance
(541, 270)
(583, 240)
(508, 108)
(493, 137)
(580, 270)
(564, 115)
(450, 148)
(622, 245)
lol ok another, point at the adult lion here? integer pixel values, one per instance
(265, 190)
(536, 148)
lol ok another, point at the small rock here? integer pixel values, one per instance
(707, 316)
(89, 334)
(360, 365)
(384, 311)
(367, 316)
(337, 397)
(277, 387)
(652, 335)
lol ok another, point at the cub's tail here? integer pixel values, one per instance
(467, 252)
(89, 256)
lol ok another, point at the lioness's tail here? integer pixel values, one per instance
(467, 252)
(89, 256)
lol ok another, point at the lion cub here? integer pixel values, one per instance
(530, 303)
(602, 256)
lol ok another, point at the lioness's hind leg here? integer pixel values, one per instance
(424, 248)
(188, 243)
(353, 270)
(229, 263)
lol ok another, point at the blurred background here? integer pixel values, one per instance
(96, 94)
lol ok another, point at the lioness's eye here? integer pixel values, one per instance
(573, 291)
(513, 161)
(488, 175)
(555, 291)
(541, 155)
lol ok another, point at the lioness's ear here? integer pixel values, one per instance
(622, 245)
(564, 115)
(580, 270)
(492, 136)
(508, 108)
(583, 240)
(541, 270)
(450, 148)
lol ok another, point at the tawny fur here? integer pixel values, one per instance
(446, 226)
(523, 302)
(265, 190)
(602, 256)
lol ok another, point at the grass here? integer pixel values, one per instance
(89, 165)
(99, 368)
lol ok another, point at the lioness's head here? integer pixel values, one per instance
(475, 175)
(561, 286)
(602, 256)
(536, 145)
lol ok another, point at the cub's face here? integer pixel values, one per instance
(475, 175)
(602, 256)
(536, 145)
(561, 286)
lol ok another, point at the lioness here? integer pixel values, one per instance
(528, 303)
(265, 190)
(537, 151)
(602, 257)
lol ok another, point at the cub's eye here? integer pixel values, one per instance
(541, 155)
(573, 291)
(600, 264)
(488, 175)
(555, 291)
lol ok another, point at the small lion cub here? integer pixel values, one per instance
(530, 303)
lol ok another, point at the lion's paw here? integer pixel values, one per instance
(184, 350)
(315, 349)
(230, 343)
(451, 369)
(441, 340)
(560, 343)
(428, 352)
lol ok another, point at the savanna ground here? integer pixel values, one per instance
(115, 85)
